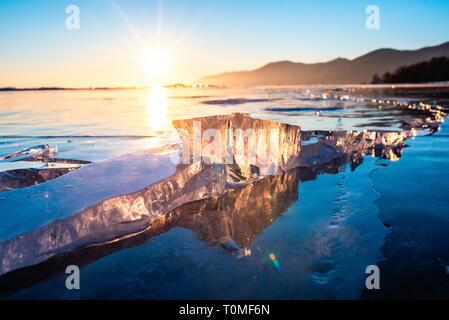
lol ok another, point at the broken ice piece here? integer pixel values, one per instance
(228, 244)
(21, 178)
(43, 150)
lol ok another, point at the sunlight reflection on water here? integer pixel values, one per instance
(157, 109)
(117, 121)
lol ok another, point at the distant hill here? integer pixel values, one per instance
(338, 71)
(435, 70)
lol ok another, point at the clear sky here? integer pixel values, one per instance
(200, 37)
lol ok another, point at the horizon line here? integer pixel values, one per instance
(341, 85)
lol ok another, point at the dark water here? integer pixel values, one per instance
(323, 228)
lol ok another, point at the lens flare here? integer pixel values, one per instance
(267, 195)
(275, 261)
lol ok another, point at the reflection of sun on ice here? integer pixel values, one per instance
(157, 109)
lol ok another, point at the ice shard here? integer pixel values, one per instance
(33, 166)
(246, 141)
(21, 178)
(36, 151)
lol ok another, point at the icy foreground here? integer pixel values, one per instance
(120, 197)
(32, 166)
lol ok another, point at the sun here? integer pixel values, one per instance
(157, 63)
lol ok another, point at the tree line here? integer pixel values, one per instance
(434, 70)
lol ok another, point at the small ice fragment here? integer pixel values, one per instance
(228, 244)
(43, 150)
(310, 141)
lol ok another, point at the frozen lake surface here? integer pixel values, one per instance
(323, 226)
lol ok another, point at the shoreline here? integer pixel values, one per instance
(360, 86)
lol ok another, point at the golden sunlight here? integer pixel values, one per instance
(157, 63)
(157, 109)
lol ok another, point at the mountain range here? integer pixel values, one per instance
(338, 71)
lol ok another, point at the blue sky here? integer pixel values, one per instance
(203, 37)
